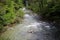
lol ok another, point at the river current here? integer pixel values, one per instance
(30, 29)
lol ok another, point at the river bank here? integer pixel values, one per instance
(30, 29)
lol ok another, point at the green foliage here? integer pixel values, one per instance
(2, 38)
(20, 13)
(33, 5)
(9, 9)
(10, 16)
(19, 2)
(49, 9)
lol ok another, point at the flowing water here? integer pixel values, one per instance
(30, 29)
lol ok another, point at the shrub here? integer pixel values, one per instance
(9, 9)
